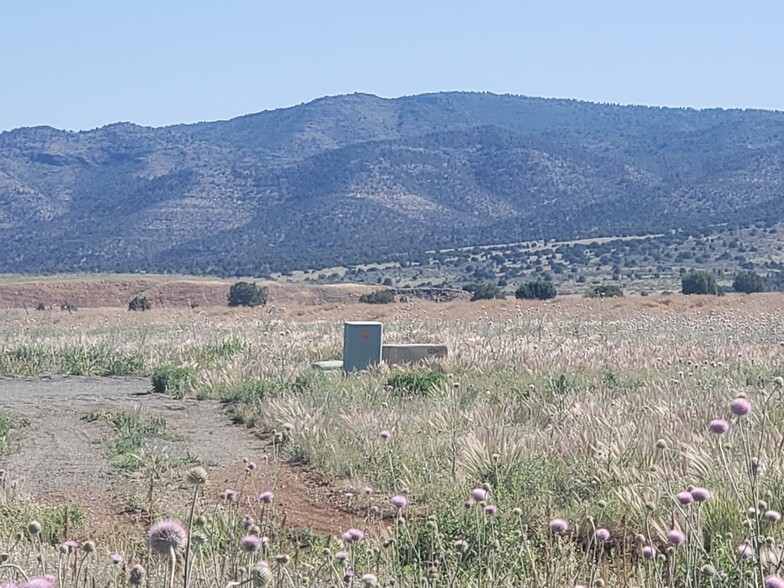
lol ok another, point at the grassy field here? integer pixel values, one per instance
(576, 442)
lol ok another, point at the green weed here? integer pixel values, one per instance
(173, 380)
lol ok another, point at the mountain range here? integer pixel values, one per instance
(357, 178)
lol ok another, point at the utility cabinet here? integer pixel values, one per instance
(361, 344)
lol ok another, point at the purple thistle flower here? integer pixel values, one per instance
(684, 497)
(385, 435)
(342, 555)
(648, 551)
(117, 558)
(368, 490)
(718, 426)
(746, 551)
(167, 536)
(46, 581)
(288, 426)
(740, 407)
(369, 580)
(774, 582)
(266, 497)
(353, 535)
(470, 503)
(348, 575)
(601, 535)
(399, 502)
(250, 543)
(250, 466)
(491, 509)
(700, 494)
(479, 494)
(558, 526)
(676, 537)
(71, 545)
(229, 495)
(773, 516)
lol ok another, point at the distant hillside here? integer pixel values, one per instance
(358, 178)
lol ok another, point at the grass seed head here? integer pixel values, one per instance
(137, 575)
(197, 476)
(261, 576)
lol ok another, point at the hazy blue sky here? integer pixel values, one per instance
(79, 64)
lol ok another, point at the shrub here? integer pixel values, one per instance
(538, 290)
(174, 380)
(378, 297)
(139, 303)
(414, 382)
(486, 291)
(700, 282)
(748, 282)
(606, 291)
(247, 294)
(250, 391)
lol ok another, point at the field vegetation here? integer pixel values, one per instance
(576, 442)
(654, 262)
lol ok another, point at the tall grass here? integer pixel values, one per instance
(581, 412)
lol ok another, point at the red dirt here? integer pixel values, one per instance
(60, 457)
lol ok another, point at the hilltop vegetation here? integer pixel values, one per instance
(354, 179)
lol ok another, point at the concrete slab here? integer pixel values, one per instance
(412, 353)
(329, 365)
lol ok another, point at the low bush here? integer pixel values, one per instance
(700, 282)
(174, 380)
(538, 290)
(415, 382)
(247, 294)
(749, 282)
(606, 291)
(378, 297)
(139, 303)
(486, 291)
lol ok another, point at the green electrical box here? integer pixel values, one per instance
(361, 344)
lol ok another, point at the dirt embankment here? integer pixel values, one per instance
(162, 292)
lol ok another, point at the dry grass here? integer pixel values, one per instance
(592, 410)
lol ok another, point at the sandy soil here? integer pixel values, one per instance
(60, 457)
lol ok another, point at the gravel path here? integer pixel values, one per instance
(61, 456)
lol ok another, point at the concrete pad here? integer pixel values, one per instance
(328, 365)
(412, 353)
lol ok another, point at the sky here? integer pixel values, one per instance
(82, 64)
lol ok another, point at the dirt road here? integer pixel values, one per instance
(60, 456)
